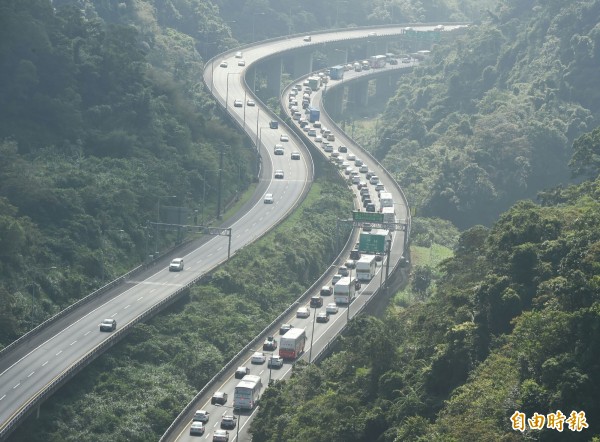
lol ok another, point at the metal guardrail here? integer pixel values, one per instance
(115, 337)
(186, 412)
(33, 332)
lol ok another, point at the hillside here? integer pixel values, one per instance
(490, 118)
(511, 322)
(512, 325)
(104, 119)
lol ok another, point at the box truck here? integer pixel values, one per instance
(291, 345)
(366, 267)
(343, 291)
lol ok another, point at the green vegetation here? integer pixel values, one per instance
(510, 321)
(136, 390)
(103, 113)
(489, 119)
(511, 324)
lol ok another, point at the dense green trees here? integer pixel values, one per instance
(512, 324)
(98, 120)
(491, 117)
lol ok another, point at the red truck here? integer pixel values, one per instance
(291, 345)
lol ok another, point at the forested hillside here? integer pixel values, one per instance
(513, 324)
(103, 119)
(490, 119)
(95, 127)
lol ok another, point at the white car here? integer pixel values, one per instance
(331, 308)
(279, 174)
(223, 64)
(351, 157)
(295, 155)
(176, 265)
(278, 149)
(283, 137)
(241, 63)
(108, 325)
(303, 312)
(275, 361)
(201, 416)
(363, 169)
(269, 198)
(374, 179)
(307, 38)
(258, 358)
(221, 436)
(318, 139)
(238, 103)
(197, 429)
(250, 103)
(238, 54)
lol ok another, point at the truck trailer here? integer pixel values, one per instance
(314, 82)
(337, 72)
(386, 200)
(366, 267)
(291, 345)
(377, 61)
(313, 114)
(389, 215)
(343, 291)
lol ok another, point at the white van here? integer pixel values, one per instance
(238, 54)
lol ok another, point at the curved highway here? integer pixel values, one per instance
(23, 382)
(319, 335)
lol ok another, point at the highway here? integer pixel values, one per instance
(323, 332)
(69, 341)
(76, 337)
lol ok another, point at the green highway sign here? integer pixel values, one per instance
(368, 217)
(371, 243)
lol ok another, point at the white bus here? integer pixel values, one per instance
(247, 392)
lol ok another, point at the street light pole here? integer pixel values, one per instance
(33, 284)
(220, 181)
(158, 219)
(350, 291)
(312, 335)
(102, 243)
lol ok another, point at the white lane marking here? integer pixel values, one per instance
(30, 374)
(16, 386)
(140, 298)
(2, 397)
(44, 364)
(58, 353)
(74, 342)
(87, 333)
(127, 306)
(113, 315)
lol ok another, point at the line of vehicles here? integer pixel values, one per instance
(360, 268)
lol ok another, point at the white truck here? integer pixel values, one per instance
(343, 291)
(386, 200)
(366, 267)
(291, 345)
(389, 215)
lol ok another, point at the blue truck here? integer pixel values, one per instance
(336, 72)
(313, 114)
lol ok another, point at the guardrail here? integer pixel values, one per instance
(185, 414)
(33, 332)
(115, 337)
(267, 331)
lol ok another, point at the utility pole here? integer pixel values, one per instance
(220, 181)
